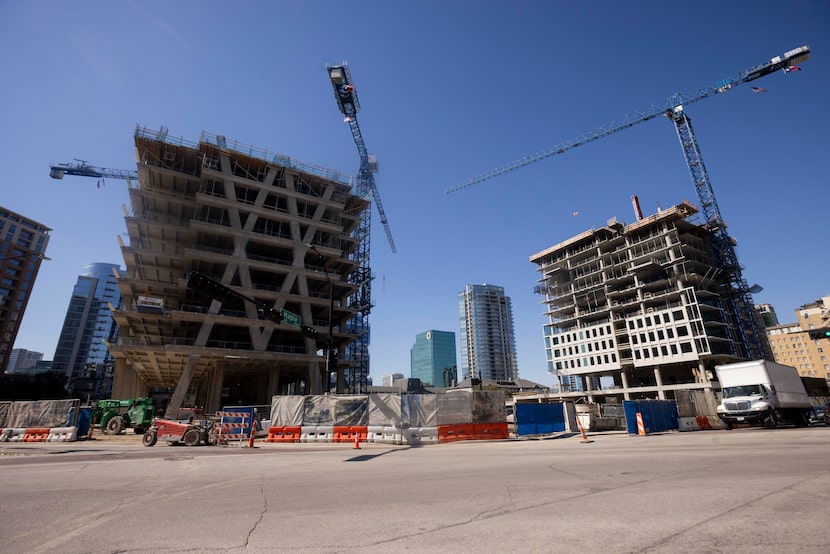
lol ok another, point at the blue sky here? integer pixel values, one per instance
(449, 90)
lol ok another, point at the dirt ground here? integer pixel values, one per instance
(126, 437)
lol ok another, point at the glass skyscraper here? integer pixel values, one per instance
(82, 352)
(488, 343)
(432, 359)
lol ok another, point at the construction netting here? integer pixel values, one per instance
(390, 409)
(37, 413)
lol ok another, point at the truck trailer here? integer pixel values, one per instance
(760, 391)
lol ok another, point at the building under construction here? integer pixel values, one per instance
(274, 230)
(636, 310)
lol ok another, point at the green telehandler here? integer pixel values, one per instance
(114, 416)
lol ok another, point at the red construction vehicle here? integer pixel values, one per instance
(191, 433)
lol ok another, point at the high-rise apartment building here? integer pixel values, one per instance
(768, 315)
(795, 345)
(432, 359)
(278, 232)
(22, 248)
(82, 354)
(23, 361)
(637, 306)
(488, 343)
(389, 379)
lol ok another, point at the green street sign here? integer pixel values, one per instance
(290, 318)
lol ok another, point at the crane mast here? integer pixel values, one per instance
(357, 352)
(749, 342)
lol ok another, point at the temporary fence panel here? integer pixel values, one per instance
(488, 406)
(287, 410)
(419, 410)
(539, 419)
(350, 411)
(384, 409)
(336, 410)
(38, 413)
(455, 407)
(5, 410)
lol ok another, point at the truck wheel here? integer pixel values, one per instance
(192, 437)
(149, 438)
(770, 422)
(115, 425)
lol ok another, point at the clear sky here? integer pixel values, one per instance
(449, 90)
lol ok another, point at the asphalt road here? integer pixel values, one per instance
(748, 490)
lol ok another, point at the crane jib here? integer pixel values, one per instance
(789, 59)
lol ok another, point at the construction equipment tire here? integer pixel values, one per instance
(115, 425)
(192, 437)
(149, 438)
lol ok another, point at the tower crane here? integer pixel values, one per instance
(358, 351)
(738, 297)
(83, 169)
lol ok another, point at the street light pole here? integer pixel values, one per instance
(19, 256)
(327, 383)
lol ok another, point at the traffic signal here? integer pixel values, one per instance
(822, 333)
(309, 332)
(209, 287)
(272, 314)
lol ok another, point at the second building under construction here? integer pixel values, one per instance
(636, 309)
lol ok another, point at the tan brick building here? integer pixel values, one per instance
(792, 344)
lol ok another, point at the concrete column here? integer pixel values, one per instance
(624, 380)
(214, 394)
(273, 383)
(586, 381)
(183, 384)
(661, 394)
(704, 376)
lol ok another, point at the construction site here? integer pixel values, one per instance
(648, 309)
(247, 272)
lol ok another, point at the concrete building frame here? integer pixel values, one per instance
(245, 217)
(636, 306)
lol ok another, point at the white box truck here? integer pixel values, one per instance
(761, 391)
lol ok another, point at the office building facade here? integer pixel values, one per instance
(82, 353)
(432, 359)
(768, 315)
(23, 244)
(23, 361)
(488, 343)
